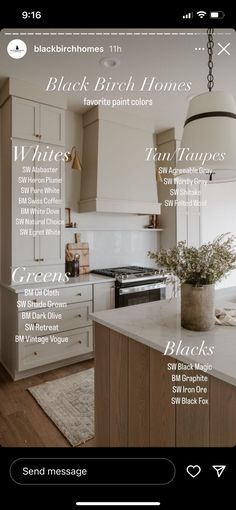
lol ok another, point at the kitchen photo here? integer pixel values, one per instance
(118, 239)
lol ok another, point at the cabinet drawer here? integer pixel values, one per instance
(79, 343)
(48, 321)
(49, 296)
(75, 294)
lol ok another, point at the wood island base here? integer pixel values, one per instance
(133, 391)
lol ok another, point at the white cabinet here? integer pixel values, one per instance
(29, 249)
(37, 122)
(34, 338)
(70, 317)
(33, 192)
(80, 343)
(46, 327)
(25, 119)
(104, 296)
(180, 200)
(52, 125)
(180, 213)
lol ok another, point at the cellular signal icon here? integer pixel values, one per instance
(188, 15)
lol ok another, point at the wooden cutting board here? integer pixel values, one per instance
(82, 250)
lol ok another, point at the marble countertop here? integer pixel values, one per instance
(84, 279)
(157, 323)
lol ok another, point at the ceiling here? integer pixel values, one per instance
(152, 53)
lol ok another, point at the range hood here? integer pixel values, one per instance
(116, 176)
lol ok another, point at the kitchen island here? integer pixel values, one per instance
(143, 397)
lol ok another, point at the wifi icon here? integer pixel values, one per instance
(201, 14)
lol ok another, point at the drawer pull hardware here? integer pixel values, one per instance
(36, 260)
(79, 342)
(41, 260)
(34, 300)
(79, 314)
(79, 294)
(35, 353)
(38, 136)
(35, 324)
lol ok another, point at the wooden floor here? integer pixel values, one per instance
(22, 421)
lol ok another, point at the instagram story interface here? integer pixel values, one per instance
(118, 247)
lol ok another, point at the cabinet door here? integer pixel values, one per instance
(194, 214)
(25, 245)
(104, 296)
(53, 176)
(188, 213)
(52, 125)
(25, 119)
(51, 241)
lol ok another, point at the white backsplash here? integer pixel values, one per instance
(115, 239)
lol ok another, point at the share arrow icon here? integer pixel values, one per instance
(219, 470)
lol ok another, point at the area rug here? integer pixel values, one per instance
(69, 402)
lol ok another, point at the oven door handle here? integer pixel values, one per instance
(141, 288)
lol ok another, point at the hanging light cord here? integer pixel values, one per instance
(210, 46)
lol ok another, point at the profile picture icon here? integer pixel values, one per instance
(16, 48)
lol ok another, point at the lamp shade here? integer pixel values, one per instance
(210, 127)
(76, 164)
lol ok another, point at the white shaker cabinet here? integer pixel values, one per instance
(52, 125)
(104, 296)
(180, 210)
(25, 119)
(27, 249)
(33, 200)
(33, 344)
(37, 122)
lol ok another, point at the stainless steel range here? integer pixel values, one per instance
(135, 284)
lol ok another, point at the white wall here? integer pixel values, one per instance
(219, 216)
(114, 239)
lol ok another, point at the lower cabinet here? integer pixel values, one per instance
(104, 296)
(49, 328)
(78, 342)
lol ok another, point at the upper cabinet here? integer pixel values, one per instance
(42, 249)
(180, 199)
(116, 175)
(37, 122)
(52, 125)
(33, 232)
(25, 119)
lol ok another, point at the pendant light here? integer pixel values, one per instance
(210, 126)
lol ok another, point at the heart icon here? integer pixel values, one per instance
(193, 471)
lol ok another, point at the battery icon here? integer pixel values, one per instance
(217, 14)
